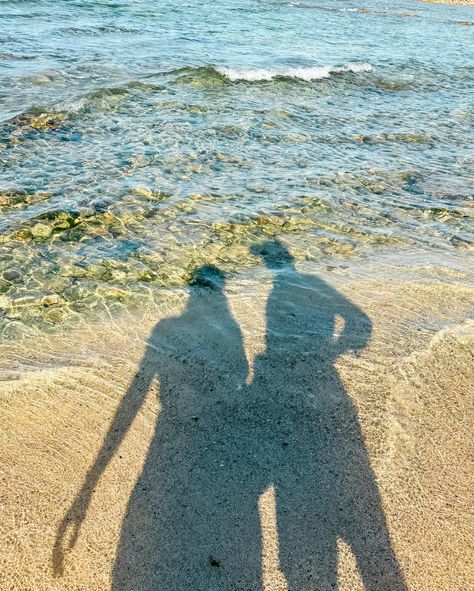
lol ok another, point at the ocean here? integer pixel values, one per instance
(141, 139)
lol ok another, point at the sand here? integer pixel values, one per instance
(458, 2)
(262, 457)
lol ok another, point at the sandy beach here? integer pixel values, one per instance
(409, 390)
(236, 295)
(458, 2)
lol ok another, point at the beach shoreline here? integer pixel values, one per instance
(236, 296)
(454, 2)
(409, 386)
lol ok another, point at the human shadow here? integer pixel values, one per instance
(188, 525)
(309, 435)
(192, 521)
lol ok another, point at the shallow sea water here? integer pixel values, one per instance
(140, 140)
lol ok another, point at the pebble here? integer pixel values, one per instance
(41, 231)
(51, 299)
(54, 315)
(4, 286)
(111, 292)
(41, 79)
(12, 275)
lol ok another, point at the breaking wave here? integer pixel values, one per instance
(309, 73)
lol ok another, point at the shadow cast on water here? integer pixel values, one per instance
(192, 521)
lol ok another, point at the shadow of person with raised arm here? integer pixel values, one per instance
(309, 435)
(189, 524)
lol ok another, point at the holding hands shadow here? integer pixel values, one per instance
(192, 521)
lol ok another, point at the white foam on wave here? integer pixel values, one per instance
(72, 105)
(311, 73)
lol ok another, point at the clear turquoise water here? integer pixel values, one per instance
(139, 139)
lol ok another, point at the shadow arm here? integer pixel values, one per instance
(357, 329)
(126, 412)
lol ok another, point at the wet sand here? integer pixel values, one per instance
(406, 397)
(458, 2)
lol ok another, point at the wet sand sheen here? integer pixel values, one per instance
(458, 2)
(409, 387)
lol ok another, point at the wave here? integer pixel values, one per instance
(307, 74)
(48, 118)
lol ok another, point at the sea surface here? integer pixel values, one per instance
(141, 139)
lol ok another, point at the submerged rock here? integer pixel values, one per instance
(19, 198)
(39, 120)
(41, 231)
(12, 275)
(149, 193)
(51, 300)
(112, 292)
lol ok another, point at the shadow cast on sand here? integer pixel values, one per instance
(192, 521)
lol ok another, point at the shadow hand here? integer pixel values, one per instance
(68, 531)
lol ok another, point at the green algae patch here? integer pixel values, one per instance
(20, 198)
(40, 120)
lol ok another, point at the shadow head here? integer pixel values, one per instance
(273, 252)
(208, 276)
